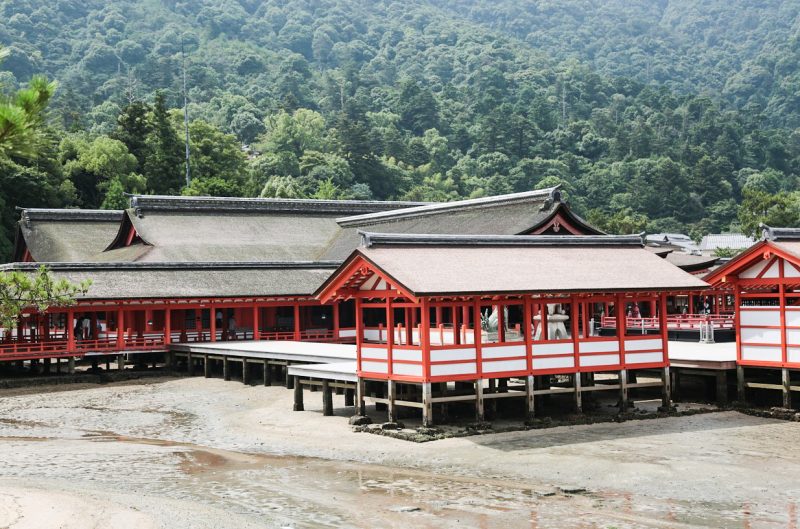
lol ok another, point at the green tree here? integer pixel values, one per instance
(779, 210)
(133, 129)
(22, 116)
(38, 290)
(93, 165)
(164, 164)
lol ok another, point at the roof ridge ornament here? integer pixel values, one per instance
(769, 233)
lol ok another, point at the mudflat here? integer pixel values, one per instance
(204, 453)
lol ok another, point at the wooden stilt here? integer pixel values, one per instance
(623, 390)
(722, 387)
(787, 391)
(58, 366)
(741, 396)
(530, 403)
(206, 367)
(189, 364)
(675, 380)
(298, 396)
(479, 409)
(267, 374)
(576, 378)
(245, 377)
(121, 362)
(71, 365)
(391, 394)
(226, 369)
(666, 388)
(427, 406)
(289, 378)
(361, 407)
(327, 398)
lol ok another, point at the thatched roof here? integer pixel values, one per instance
(190, 280)
(64, 235)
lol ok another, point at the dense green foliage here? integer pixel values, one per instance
(662, 115)
(39, 290)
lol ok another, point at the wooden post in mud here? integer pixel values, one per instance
(576, 378)
(298, 396)
(121, 362)
(786, 382)
(226, 369)
(623, 390)
(361, 406)
(244, 371)
(267, 374)
(427, 405)
(289, 378)
(479, 408)
(530, 403)
(58, 366)
(206, 367)
(189, 364)
(741, 396)
(722, 387)
(71, 365)
(327, 398)
(666, 388)
(391, 395)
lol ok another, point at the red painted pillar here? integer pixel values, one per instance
(336, 320)
(359, 335)
(167, 326)
(297, 322)
(527, 329)
(662, 323)
(213, 323)
(256, 322)
(70, 331)
(120, 329)
(389, 334)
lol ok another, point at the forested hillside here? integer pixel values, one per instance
(664, 115)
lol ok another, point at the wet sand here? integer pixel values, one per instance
(211, 454)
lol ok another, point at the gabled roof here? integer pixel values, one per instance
(439, 265)
(189, 280)
(734, 241)
(68, 235)
(782, 241)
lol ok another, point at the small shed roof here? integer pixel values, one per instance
(464, 265)
(734, 241)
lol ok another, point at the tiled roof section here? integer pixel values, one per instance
(64, 234)
(544, 198)
(145, 203)
(533, 265)
(734, 241)
(190, 280)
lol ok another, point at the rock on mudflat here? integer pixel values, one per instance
(360, 420)
(571, 490)
(405, 508)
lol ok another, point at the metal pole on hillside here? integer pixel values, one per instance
(185, 114)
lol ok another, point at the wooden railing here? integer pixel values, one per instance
(675, 321)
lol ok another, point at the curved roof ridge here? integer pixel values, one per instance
(171, 265)
(29, 214)
(369, 239)
(549, 195)
(142, 203)
(779, 234)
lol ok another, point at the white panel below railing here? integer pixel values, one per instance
(410, 355)
(467, 368)
(553, 349)
(793, 317)
(793, 355)
(447, 355)
(503, 366)
(374, 353)
(411, 370)
(644, 358)
(643, 345)
(761, 353)
(554, 363)
(759, 317)
(374, 367)
(599, 360)
(757, 335)
(599, 346)
(347, 333)
(793, 336)
(503, 351)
